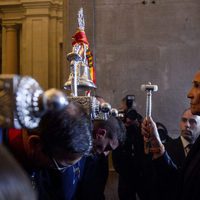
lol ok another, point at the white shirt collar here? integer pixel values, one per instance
(184, 142)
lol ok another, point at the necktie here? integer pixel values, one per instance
(188, 147)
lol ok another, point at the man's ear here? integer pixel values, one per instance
(34, 142)
(101, 133)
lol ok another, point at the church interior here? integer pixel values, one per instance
(131, 43)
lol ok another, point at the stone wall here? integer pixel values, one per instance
(135, 43)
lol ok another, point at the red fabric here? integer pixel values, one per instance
(80, 37)
(15, 144)
(14, 133)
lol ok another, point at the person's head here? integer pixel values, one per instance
(190, 126)
(63, 137)
(194, 95)
(14, 184)
(108, 134)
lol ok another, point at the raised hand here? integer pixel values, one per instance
(152, 142)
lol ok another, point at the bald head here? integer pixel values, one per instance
(190, 126)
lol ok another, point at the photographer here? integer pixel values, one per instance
(128, 159)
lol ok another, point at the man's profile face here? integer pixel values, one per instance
(190, 126)
(194, 95)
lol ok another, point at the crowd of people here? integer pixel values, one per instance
(66, 156)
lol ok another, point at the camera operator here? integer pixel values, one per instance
(127, 105)
(128, 159)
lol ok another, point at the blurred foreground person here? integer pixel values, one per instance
(14, 184)
(188, 178)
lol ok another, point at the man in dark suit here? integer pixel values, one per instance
(189, 176)
(107, 136)
(189, 131)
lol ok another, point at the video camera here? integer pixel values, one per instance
(129, 101)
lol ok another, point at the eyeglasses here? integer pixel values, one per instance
(191, 121)
(59, 166)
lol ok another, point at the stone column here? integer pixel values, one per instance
(11, 47)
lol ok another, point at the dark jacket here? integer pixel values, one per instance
(94, 178)
(54, 185)
(127, 158)
(135, 169)
(190, 174)
(167, 185)
(187, 178)
(175, 149)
